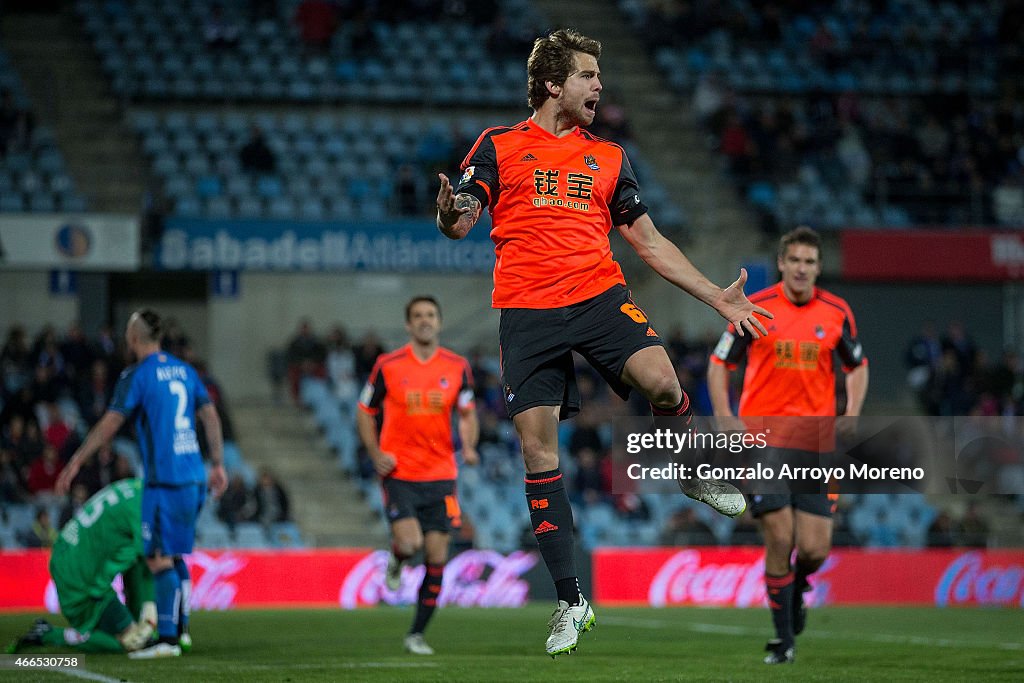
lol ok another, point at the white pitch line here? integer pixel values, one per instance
(87, 675)
(725, 629)
(387, 665)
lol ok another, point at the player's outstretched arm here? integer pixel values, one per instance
(102, 432)
(669, 262)
(456, 214)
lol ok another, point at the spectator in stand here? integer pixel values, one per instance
(50, 374)
(272, 504)
(15, 358)
(306, 356)
(103, 470)
(16, 125)
(736, 145)
(217, 398)
(972, 530)
(24, 440)
(12, 483)
(684, 529)
(709, 98)
(588, 489)
(76, 499)
(940, 533)
(256, 156)
(409, 191)
(341, 368)
(175, 341)
(237, 504)
(585, 433)
(44, 470)
(93, 395)
(41, 534)
(362, 40)
(923, 360)
(317, 21)
(220, 32)
(107, 347)
(57, 432)
(77, 353)
(368, 349)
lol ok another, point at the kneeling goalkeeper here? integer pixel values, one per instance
(102, 540)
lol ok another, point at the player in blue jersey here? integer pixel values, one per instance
(164, 395)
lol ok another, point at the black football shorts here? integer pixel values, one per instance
(432, 503)
(536, 348)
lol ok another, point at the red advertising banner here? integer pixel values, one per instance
(726, 577)
(734, 577)
(309, 578)
(932, 255)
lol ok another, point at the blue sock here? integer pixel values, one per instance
(185, 579)
(168, 597)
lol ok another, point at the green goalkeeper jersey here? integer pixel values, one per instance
(102, 540)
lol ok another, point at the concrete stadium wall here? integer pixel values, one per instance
(25, 299)
(268, 308)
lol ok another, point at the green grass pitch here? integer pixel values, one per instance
(840, 644)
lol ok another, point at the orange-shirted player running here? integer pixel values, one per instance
(418, 387)
(790, 373)
(555, 192)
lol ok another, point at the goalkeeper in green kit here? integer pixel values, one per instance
(102, 540)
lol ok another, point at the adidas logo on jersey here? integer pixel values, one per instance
(528, 157)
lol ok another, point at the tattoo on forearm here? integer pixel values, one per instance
(456, 223)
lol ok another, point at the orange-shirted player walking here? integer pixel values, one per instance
(418, 387)
(555, 192)
(790, 373)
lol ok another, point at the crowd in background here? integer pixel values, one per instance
(54, 386)
(912, 105)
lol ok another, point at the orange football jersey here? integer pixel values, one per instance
(418, 399)
(553, 201)
(790, 372)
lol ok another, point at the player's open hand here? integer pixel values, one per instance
(446, 200)
(383, 463)
(734, 306)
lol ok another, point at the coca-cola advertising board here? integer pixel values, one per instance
(734, 577)
(309, 578)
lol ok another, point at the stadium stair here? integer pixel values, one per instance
(668, 136)
(63, 80)
(326, 506)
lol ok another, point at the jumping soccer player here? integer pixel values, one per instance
(554, 192)
(419, 387)
(790, 372)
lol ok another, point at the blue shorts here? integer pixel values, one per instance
(169, 518)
